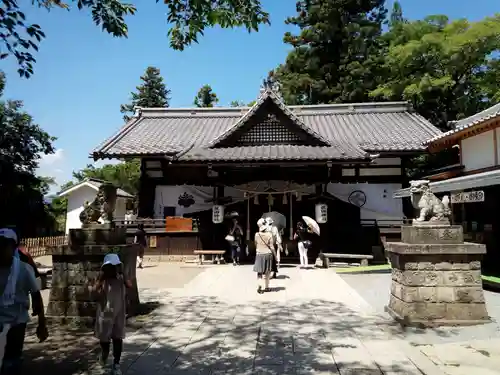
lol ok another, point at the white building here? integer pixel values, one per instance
(86, 191)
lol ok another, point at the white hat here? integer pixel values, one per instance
(112, 259)
(261, 223)
(8, 234)
(269, 220)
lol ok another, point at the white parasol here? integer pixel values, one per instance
(311, 223)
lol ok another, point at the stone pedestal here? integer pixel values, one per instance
(436, 277)
(76, 266)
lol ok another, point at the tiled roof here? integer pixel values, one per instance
(274, 152)
(352, 130)
(469, 122)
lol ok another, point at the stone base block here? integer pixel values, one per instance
(423, 314)
(74, 270)
(432, 234)
(97, 236)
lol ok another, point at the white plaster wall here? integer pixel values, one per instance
(379, 202)
(120, 208)
(497, 134)
(76, 199)
(168, 195)
(478, 151)
(387, 161)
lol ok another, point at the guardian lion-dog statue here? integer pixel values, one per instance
(101, 208)
(431, 207)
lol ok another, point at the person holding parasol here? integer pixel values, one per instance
(304, 235)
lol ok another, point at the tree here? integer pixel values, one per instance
(124, 175)
(447, 70)
(22, 142)
(236, 103)
(396, 14)
(206, 97)
(240, 103)
(187, 20)
(336, 55)
(151, 94)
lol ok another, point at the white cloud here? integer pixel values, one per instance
(53, 165)
(51, 159)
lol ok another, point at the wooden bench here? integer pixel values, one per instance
(326, 258)
(216, 255)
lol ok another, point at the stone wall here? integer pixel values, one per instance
(436, 283)
(76, 266)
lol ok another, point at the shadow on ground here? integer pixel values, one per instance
(207, 335)
(204, 335)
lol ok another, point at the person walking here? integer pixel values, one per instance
(235, 240)
(303, 235)
(17, 282)
(277, 245)
(111, 311)
(140, 240)
(264, 247)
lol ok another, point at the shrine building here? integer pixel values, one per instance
(338, 163)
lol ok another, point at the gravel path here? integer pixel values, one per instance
(374, 288)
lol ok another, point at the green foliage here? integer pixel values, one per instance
(236, 103)
(124, 175)
(448, 70)
(336, 55)
(240, 103)
(206, 97)
(152, 93)
(187, 20)
(21, 191)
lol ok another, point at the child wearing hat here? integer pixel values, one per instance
(111, 310)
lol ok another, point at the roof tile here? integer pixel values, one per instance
(358, 128)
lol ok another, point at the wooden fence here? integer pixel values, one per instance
(37, 246)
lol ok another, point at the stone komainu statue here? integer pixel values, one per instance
(431, 207)
(101, 208)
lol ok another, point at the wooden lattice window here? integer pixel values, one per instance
(268, 131)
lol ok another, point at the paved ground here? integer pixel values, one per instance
(312, 323)
(456, 351)
(70, 350)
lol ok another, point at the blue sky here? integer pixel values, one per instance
(83, 75)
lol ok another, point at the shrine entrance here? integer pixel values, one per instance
(341, 232)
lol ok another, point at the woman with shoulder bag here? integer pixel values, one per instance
(264, 247)
(303, 235)
(234, 238)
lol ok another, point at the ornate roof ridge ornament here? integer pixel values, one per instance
(137, 112)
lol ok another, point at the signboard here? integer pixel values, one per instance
(467, 197)
(152, 241)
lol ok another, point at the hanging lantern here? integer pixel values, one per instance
(256, 199)
(285, 199)
(217, 214)
(321, 211)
